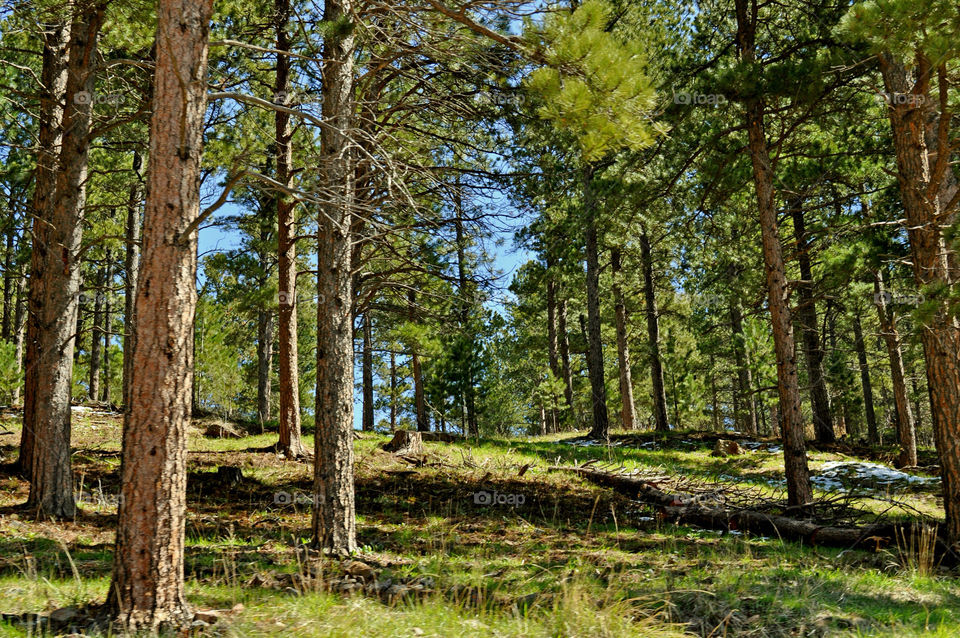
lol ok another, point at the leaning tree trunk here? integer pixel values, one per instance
(598, 385)
(131, 266)
(55, 279)
(50, 133)
(653, 338)
(872, 432)
(807, 314)
(799, 492)
(147, 588)
(906, 432)
(628, 413)
(334, 517)
(929, 191)
(290, 441)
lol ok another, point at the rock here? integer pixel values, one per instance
(210, 616)
(726, 448)
(64, 615)
(405, 442)
(360, 570)
(222, 430)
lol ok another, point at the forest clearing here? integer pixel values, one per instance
(572, 559)
(479, 317)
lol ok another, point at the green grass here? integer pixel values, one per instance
(573, 560)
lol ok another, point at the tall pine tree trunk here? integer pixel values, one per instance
(147, 590)
(334, 518)
(598, 386)
(906, 432)
(107, 321)
(55, 279)
(290, 441)
(131, 267)
(928, 189)
(799, 492)
(628, 413)
(49, 136)
(807, 315)
(662, 423)
(553, 356)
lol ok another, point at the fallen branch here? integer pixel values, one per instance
(690, 510)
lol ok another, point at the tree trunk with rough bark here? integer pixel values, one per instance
(906, 432)
(799, 491)
(334, 516)
(595, 370)
(419, 400)
(806, 312)
(393, 391)
(147, 590)
(49, 136)
(628, 412)
(290, 441)
(658, 391)
(55, 279)
(553, 357)
(929, 189)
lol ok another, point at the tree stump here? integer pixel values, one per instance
(405, 442)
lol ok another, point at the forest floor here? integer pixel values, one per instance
(552, 556)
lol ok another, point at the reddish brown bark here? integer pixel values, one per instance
(929, 191)
(147, 590)
(799, 492)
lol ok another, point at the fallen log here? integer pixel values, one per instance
(689, 509)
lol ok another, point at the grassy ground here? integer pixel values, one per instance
(571, 560)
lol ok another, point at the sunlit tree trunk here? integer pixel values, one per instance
(906, 434)
(147, 590)
(55, 278)
(799, 492)
(49, 136)
(334, 518)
